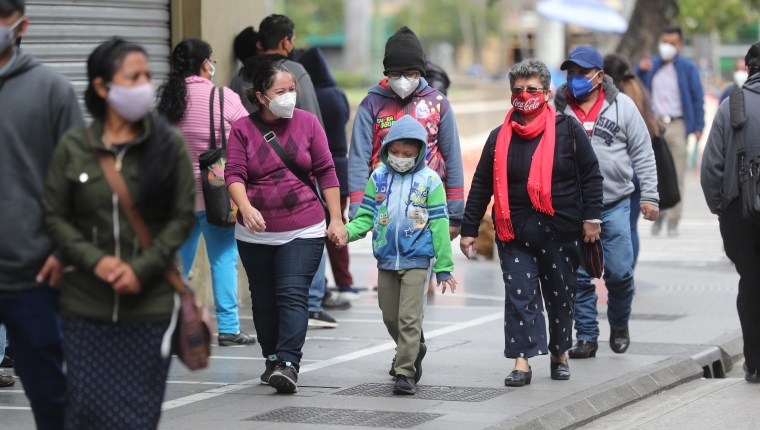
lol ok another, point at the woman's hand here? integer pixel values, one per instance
(124, 281)
(106, 267)
(451, 283)
(337, 234)
(465, 243)
(252, 219)
(591, 232)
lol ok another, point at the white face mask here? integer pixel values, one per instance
(282, 106)
(132, 103)
(403, 86)
(740, 77)
(7, 35)
(401, 165)
(667, 51)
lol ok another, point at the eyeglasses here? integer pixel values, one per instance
(530, 90)
(212, 61)
(409, 74)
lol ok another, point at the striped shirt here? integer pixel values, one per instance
(195, 125)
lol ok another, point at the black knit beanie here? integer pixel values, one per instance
(403, 51)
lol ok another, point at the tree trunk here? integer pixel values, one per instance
(648, 19)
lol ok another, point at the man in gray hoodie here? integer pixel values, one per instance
(720, 183)
(621, 141)
(38, 105)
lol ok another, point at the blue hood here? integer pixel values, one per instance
(406, 128)
(315, 64)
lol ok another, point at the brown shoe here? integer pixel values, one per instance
(7, 381)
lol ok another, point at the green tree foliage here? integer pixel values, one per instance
(725, 16)
(314, 17)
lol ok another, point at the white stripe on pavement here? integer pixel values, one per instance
(16, 408)
(171, 404)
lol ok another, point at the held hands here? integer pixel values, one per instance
(465, 243)
(451, 283)
(591, 232)
(252, 219)
(119, 274)
(650, 212)
(337, 234)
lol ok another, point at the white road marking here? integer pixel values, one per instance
(225, 357)
(11, 391)
(182, 401)
(381, 321)
(16, 408)
(476, 296)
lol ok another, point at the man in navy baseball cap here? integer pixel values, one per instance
(586, 57)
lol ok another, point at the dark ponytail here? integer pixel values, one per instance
(187, 59)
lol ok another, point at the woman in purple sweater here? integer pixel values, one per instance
(281, 223)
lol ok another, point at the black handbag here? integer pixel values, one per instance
(271, 139)
(667, 178)
(221, 211)
(592, 254)
(749, 168)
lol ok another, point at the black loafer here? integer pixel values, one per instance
(583, 349)
(518, 378)
(753, 377)
(560, 371)
(227, 339)
(620, 340)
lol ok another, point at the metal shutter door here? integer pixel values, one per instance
(63, 33)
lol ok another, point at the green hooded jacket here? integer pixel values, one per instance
(83, 218)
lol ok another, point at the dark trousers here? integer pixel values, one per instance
(741, 240)
(339, 259)
(279, 278)
(538, 265)
(34, 330)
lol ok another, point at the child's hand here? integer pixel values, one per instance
(451, 283)
(339, 238)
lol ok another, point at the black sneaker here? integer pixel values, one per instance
(284, 378)
(418, 363)
(334, 302)
(271, 365)
(321, 319)
(226, 339)
(404, 386)
(393, 368)
(7, 362)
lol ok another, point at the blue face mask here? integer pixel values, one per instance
(580, 86)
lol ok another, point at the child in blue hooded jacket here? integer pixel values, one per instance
(404, 204)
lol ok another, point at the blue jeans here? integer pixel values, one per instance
(3, 334)
(279, 277)
(618, 275)
(34, 329)
(318, 285)
(635, 212)
(223, 256)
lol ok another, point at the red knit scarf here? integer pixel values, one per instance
(540, 176)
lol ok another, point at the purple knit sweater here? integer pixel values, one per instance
(285, 202)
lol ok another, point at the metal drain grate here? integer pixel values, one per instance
(346, 417)
(424, 392)
(649, 317)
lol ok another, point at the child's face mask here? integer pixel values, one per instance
(401, 165)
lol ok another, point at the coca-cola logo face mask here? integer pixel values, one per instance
(528, 104)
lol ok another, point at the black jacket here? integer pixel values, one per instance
(570, 210)
(335, 110)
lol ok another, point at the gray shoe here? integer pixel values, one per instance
(657, 226)
(672, 230)
(226, 339)
(335, 302)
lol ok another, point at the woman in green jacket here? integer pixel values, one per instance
(116, 307)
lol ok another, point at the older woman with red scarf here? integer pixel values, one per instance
(544, 177)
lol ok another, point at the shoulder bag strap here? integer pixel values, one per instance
(221, 117)
(116, 181)
(212, 138)
(271, 138)
(738, 118)
(571, 131)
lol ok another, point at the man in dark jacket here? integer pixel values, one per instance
(38, 106)
(277, 36)
(678, 100)
(720, 184)
(334, 103)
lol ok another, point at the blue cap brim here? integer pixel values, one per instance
(584, 64)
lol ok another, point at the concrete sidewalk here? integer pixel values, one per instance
(684, 307)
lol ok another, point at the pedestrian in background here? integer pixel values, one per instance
(118, 310)
(538, 225)
(276, 42)
(620, 138)
(281, 222)
(5, 380)
(721, 165)
(678, 100)
(739, 77)
(333, 101)
(184, 101)
(417, 207)
(38, 106)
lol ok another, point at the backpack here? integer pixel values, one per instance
(749, 169)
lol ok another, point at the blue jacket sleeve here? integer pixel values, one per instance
(697, 99)
(448, 143)
(359, 158)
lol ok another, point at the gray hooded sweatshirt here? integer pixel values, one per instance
(720, 165)
(38, 106)
(620, 139)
